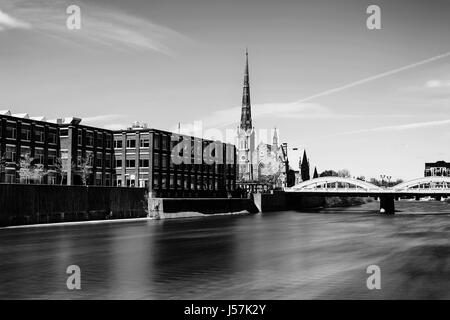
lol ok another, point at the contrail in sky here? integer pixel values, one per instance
(363, 81)
(378, 76)
(400, 127)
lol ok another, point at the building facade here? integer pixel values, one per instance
(86, 152)
(68, 153)
(273, 163)
(23, 137)
(172, 165)
(439, 168)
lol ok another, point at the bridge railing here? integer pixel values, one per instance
(370, 191)
(427, 185)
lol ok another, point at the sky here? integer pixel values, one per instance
(371, 101)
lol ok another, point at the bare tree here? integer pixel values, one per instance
(2, 165)
(62, 166)
(38, 172)
(329, 173)
(30, 171)
(26, 168)
(86, 168)
(344, 173)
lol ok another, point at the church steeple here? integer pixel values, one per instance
(246, 115)
(304, 167)
(275, 140)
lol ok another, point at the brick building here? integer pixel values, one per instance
(439, 168)
(74, 154)
(89, 150)
(21, 136)
(144, 157)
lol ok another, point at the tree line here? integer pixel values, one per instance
(32, 171)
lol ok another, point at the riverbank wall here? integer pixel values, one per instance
(185, 207)
(25, 204)
(22, 204)
(280, 201)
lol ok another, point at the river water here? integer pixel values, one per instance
(277, 255)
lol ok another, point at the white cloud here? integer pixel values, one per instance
(9, 22)
(231, 116)
(291, 110)
(103, 118)
(108, 121)
(103, 25)
(115, 126)
(435, 84)
(376, 77)
(402, 127)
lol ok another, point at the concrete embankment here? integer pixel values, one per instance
(165, 208)
(279, 201)
(26, 204)
(22, 204)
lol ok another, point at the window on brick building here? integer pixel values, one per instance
(52, 155)
(39, 134)
(131, 143)
(117, 144)
(10, 154)
(11, 132)
(52, 137)
(80, 137)
(99, 141)
(144, 143)
(25, 133)
(108, 141)
(130, 163)
(143, 163)
(99, 160)
(108, 160)
(89, 139)
(39, 155)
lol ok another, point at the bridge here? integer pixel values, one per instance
(340, 187)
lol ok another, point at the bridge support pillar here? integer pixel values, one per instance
(417, 198)
(387, 202)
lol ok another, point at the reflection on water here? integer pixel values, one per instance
(279, 255)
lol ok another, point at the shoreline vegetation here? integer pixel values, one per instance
(333, 202)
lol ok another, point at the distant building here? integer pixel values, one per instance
(21, 136)
(439, 168)
(144, 157)
(138, 156)
(87, 149)
(273, 163)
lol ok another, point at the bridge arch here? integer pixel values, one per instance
(324, 182)
(435, 182)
